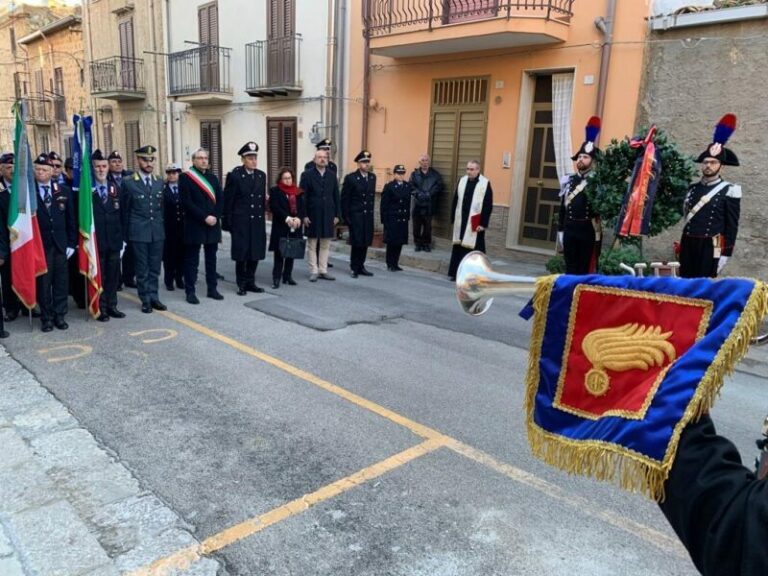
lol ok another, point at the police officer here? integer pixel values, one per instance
(58, 231)
(358, 194)
(10, 303)
(57, 166)
(109, 235)
(712, 207)
(395, 214)
(141, 197)
(245, 203)
(202, 200)
(579, 231)
(127, 264)
(173, 216)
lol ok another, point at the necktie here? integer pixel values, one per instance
(148, 182)
(103, 193)
(46, 197)
(175, 191)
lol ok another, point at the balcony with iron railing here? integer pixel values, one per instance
(39, 110)
(272, 67)
(412, 28)
(200, 75)
(118, 78)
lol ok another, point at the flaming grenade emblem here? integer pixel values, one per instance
(627, 347)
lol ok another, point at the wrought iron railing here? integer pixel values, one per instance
(388, 16)
(274, 63)
(199, 70)
(39, 110)
(117, 74)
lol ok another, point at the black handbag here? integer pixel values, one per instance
(293, 246)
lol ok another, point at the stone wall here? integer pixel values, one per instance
(692, 77)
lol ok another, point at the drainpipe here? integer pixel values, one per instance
(605, 25)
(89, 82)
(339, 100)
(170, 105)
(330, 69)
(153, 24)
(366, 78)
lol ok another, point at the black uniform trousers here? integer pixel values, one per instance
(128, 265)
(52, 287)
(192, 264)
(578, 247)
(282, 267)
(173, 261)
(245, 273)
(422, 228)
(697, 258)
(147, 256)
(357, 258)
(393, 254)
(109, 260)
(10, 302)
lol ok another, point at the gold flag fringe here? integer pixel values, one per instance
(607, 462)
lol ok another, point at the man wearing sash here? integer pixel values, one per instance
(470, 215)
(711, 210)
(578, 226)
(202, 200)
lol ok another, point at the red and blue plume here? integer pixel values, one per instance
(592, 129)
(724, 129)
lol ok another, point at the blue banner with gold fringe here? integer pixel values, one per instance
(619, 365)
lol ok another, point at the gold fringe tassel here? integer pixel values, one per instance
(606, 462)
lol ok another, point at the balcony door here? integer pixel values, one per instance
(281, 60)
(210, 139)
(208, 28)
(281, 146)
(125, 75)
(455, 11)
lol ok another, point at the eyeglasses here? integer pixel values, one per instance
(56, 165)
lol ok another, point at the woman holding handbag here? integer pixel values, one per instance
(287, 203)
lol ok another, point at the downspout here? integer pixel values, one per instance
(171, 103)
(366, 78)
(89, 81)
(339, 101)
(605, 25)
(330, 69)
(153, 24)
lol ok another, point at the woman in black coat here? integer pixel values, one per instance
(395, 212)
(288, 206)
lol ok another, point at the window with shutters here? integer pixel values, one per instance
(208, 29)
(210, 139)
(127, 69)
(281, 47)
(132, 142)
(107, 121)
(281, 146)
(38, 110)
(60, 104)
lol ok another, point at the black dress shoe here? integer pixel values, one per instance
(353, 274)
(103, 317)
(330, 265)
(427, 248)
(396, 269)
(215, 295)
(289, 281)
(47, 327)
(219, 276)
(275, 284)
(241, 291)
(169, 287)
(3, 334)
(60, 323)
(418, 248)
(157, 305)
(254, 288)
(365, 272)
(146, 308)
(192, 299)
(115, 313)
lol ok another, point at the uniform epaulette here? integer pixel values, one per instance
(136, 176)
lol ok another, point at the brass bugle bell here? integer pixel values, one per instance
(477, 284)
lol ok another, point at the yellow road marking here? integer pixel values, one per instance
(168, 335)
(184, 558)
(81, 350)
(520, 476)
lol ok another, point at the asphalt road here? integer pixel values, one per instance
(370, 425)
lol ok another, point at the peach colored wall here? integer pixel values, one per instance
(399, 131)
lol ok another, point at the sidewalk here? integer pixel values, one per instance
(68, 507)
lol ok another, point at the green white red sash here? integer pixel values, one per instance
(202, 182)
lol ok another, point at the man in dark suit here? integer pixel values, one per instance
(141, 199)
(127, 263)
(173, 251)
(10, 303)
(358, 194)
(245, 204)
(109, 235)
(202, 200)
(58, 230)
(321, 189)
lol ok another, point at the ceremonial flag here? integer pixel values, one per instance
(635, 214)
(88, 253)
(27, 250)
(620, 365)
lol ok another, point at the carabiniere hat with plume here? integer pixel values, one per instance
(592, 129)
(717, 149)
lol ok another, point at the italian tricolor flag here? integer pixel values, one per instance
(88, 252)
(27, 252)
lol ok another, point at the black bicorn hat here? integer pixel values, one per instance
(7, 158)
(249, 149)
(53, 155)
(114, 155)
(399, 169)
(363, 156)
(147, 151)
(588, 147)
(43, 160)
(97, 155)
(324, 144)
(717, 149)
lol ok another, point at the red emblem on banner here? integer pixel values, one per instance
(620, 345)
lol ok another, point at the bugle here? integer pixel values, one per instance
(477, 284)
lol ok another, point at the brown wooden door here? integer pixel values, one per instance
(541, 201)
(281, 146)
(125, 75)
(208, 29)
(210, 139)
(281, 61)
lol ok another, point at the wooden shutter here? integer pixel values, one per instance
(208, 24)
(208, 30)
(210, 139)
(125, 33)
(281, 46)
(132, 139)
(281, 146)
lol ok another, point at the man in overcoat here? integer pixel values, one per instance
(321, 189)
(358, 194)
